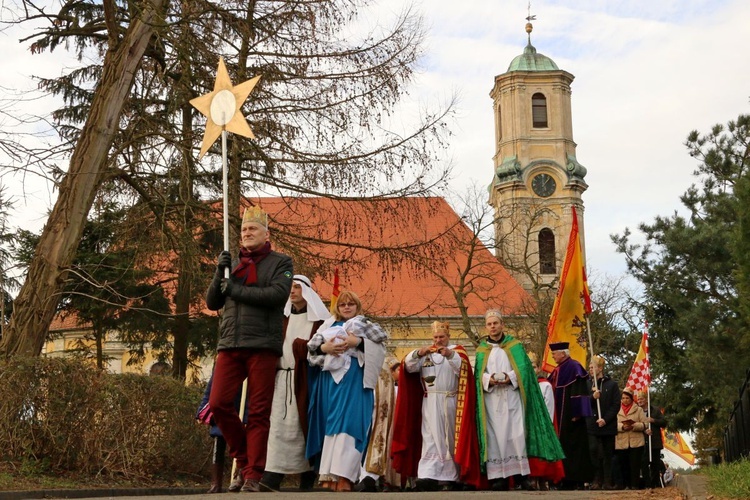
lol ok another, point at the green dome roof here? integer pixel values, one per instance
(530, 60)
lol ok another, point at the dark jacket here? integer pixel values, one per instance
(253, 314)
(659, 423)
(610, 404)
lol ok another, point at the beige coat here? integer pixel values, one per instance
(634, 437)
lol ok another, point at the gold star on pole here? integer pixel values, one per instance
(222, 108)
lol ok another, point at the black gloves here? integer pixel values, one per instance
(223, 262)
(226, 287)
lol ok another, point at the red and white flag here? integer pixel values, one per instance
(640, 375)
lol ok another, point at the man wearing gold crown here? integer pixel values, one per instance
(251, 340)
(436, 401)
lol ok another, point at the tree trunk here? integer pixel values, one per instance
(181, 331)
(34, 308)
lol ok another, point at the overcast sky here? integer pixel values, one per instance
(646, 74)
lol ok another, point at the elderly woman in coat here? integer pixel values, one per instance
(629, 442)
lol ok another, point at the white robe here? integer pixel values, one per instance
(286, 442)
(506, 440)
(549, 397)
(438, 416)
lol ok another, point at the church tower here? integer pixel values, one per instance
(537, 176)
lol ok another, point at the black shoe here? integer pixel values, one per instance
(307, 480)
(426, 485)
(499, 484)
(271, 481)
(367, 484)
(527, 485)
(446, 486)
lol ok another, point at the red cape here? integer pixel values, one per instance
(406, 449)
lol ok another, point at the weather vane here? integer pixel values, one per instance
(222, 110)
(529, 26)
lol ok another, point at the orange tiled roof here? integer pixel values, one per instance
(387, 252)
(68, 321)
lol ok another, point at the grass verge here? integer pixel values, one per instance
(729, 480)
(19, 478)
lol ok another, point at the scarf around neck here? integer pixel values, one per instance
(246, 270)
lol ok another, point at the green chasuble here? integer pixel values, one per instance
(541, 439)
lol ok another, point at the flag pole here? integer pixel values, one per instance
(648, 415)
(225, 187)
(648, 402)
(588, 325)
(596, 385)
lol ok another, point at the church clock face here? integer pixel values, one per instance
(543, 185)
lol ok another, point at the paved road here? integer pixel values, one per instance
(667, 493)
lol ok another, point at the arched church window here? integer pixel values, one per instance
(539, 110)
(499, 124)
(547, 252)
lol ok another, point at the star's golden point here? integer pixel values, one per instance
(216, 104)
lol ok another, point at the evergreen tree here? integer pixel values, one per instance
(108, 292)
(693, 269)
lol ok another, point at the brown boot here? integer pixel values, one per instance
(217, 477)
(237, 481)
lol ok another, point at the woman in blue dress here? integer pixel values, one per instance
(345, 355)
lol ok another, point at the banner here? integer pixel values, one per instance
(567, 323)
(674, 442)
(640, 375)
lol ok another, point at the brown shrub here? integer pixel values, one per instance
(72, 417)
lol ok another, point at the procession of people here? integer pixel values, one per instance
(325, 401)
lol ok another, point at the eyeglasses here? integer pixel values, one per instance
(348, 304)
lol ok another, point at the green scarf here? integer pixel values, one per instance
(541, 439)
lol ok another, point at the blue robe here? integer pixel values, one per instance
(334, 408)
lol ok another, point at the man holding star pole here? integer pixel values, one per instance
(252, 289)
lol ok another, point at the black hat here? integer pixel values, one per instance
(559, 346)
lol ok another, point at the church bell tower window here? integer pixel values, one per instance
(539, 110)
(547, 251)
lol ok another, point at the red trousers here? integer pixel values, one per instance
(247, 443)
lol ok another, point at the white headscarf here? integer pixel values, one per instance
(316, 309)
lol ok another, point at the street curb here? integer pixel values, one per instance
(98, 492)
(692, 486)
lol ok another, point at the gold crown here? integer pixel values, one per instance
(493, 312)
(439, 326)
(256, 215)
